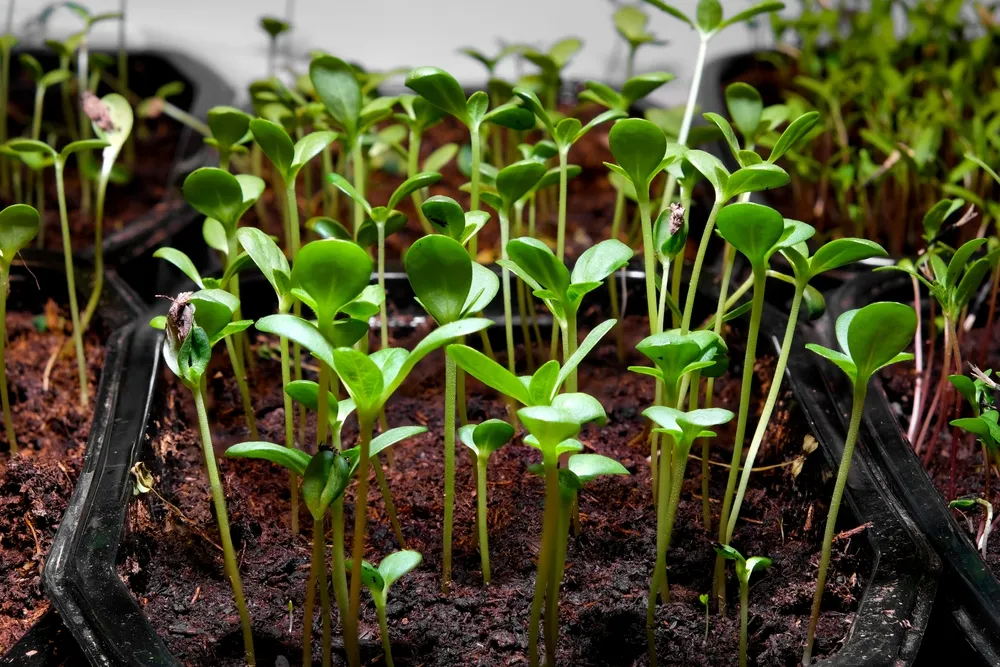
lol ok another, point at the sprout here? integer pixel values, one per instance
(983, 535)
(562, 292)
(451, 288)
(419, 115)
(744, 569)
(152, 107)
(274, 27)
(7, 44)
(377, 580)
(30, 148)
(871, 338)
(230, 129)
(551, 63)
(484, 439)
(18, 225)
(631, 23)
(195, 323)
(681, 428)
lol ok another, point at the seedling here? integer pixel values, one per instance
(31, 146)
(552, 63)
(447, 217)
(484, 439)
(986, 527)
(385, 219)
(744, 570)
(681, 428)
(152, 107)
(451, 288)
(229, 128)
(703, 599)
(708, 23)
(563, 292)
(418, 116)
(19, 224)
(443, 91)
(983, 423)
(631, 23)
(871, 338)
(194, 324)
(564, 133)
(274, 27)
(377, 580)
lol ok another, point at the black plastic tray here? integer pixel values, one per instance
(971, 600)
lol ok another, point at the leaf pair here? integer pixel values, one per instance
(685, 427)
(442, 90)
(758, 231)
(450, 219)
(222, 196)
(633, 90)
(445, 280)
(567, 131)
(674, 355)
(709, 19)
(288, 158)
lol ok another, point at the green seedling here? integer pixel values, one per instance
(274, 27)
(744, 570)
(418, 116)
(484, 439)
(632, 24)
(152, 107)
(871, 338)
(681, 428)
(229, 129)
(561, 291)
(986, 527)
(833, 255)
(446, 216)
(708, 23)
(451, 288)
(551, 63)
(223, 199)
(512, 183)
(19, 224)
(7, 44)
(377, 580)
(325, 476)
(30, 146)
(983, 423)
(564, 133)
(64, 51)
(550, 427)
(443, 91)
(194, 324)
(384, 219)
(703, 599)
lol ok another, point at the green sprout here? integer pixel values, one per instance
(561, 291)
(983, 535)
(153, 107)
(632, 24)
(451, 288)
(194, 324)
(418, 116)
(551, 63)
(484, 439)
(19, 224)
(744, 570)
(871, 338)
(274, 27)
(229, 129)
(983, 424)
(31, 146)
(703, 599)
(377, 580)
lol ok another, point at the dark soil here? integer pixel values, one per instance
(36, 484)
(171, 564)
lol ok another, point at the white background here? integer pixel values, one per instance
(383, 34)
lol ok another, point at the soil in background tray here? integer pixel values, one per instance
(52, 430)
(170, 561)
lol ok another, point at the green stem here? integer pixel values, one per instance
(358, 164)
(40, 196)
(675, 287)
(184, 118)
(383, 308)
(765, 415)
(360, 521)
(328, 208)
(383, 626)
(81, 361)
(474, 140)
(390, 507)
(412, 169)
(310, 605)
(662, 308)
(292, 207)
(569, 347)
(340, 593)
(563, 179)
(649, 259)
(4, 95)
(481, 510)
(860, 390)
(699, 259)
(319, 558)
(550, 525)
(450, 391)
(8, 421)
(744, 617)
(36, 116)
(558, 569)
(95, 295)
(660, 566)
(505, 282)
(241, 382)
(222, 517)
(286, 379)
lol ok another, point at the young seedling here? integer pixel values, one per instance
(229, 128)
(484, 439)
(223, 199)
(386, 220)
(562, 291)
(18, 225)
(632, 24)
(983, 423)
(27, 146)
(194, 324)
(443, 91)
(451, 288)
(744, 570)
(708, 23)
(152, 107)
(274, 27)
(833, 255)
(418, 116)
(377, 580)
(986, 527)
(550, 427)
(871, 338)
(703, 599)
(447, 217)
(564, 133)
(513, 182)
(551, 63)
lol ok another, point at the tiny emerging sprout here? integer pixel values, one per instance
(744, 570)
(551, 64)
(230, 129)
(986, 527)
(377, 580)
(871, 338)
(703, 599)
(153, 107)
(194, 324)
(484, 439)
(19, 224)
(451, 288)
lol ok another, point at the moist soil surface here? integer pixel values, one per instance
(36, 484)
(170, 561)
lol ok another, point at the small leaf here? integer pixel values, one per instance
(268, 257)
(708, 15)
(440, 272)
(549, 425)
(755, 178)
(228, 125)
(638, 147)
(345, 186)
(512, 116)
(517, 179)
(485, 285)
(539, 264)
(440, 89)
(293, 459)
(839, 252)
(745, 108)
(487, 437)
(275, 143)
(337, 87)
(328, 228)
(581, 408)
(753, 229)
(544, 383)
(332, 272)
(299, 331)
(489, 372)
(877, 333)
(793, 134)
(411, 185)
(214, 193)
(598, 262)
(445, 214)
(642, 85)
(957, 265)
(323, 481)
(18, 226)
(361, 377)
(588, 344)
(181, 261)
(591, 466)
(756, 10)
(397, 565)
(309, 147)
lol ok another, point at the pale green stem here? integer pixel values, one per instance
(569, 346)
(765, 415)
(95, 295)
(184, 118)
(358, 164)
(340, 593)
(319, 556)
(412, 169)
(675, 287)
(328, 198)
(81, 361)
(481, 507)
(40, 196)
(685, 129)
(660, 565)
(662, 309)
(744, 617)
(474, 140)
(310, 604)
(649, 258)
(36, 116)
(860, 390)
(450, 391)
(4, 94)
(383, 308)
(699, 259)
(81, 85)
(550, 525)
(286, 379)
(222, 517)
(383, 625)
(563, 179)
(505, 283)
(8, 421)
(390, 507)
(558, 568)
(360, 521)
(241, 382)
